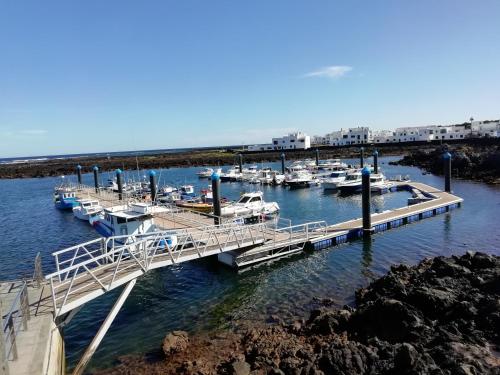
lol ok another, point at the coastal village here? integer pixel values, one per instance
(365, 135)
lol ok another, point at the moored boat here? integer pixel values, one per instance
(250, 205)
(88, 209)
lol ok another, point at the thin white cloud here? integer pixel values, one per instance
(332, 72)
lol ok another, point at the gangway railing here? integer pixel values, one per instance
(14, 321)
(90, 269)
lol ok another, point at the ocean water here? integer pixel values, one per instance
(204, 295)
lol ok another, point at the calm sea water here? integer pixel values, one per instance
(203, 295)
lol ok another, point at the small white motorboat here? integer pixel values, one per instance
(299, 178)
(379, 184)
(351, 184)
(87, 209)
(250, 205)
(205, 173)
(335, 178)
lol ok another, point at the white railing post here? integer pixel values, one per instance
(4, 365)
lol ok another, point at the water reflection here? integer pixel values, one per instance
(367, 258)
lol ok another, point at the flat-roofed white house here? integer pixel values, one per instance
(292, 141)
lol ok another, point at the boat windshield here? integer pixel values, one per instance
(337, 174)
(352, 177)
(244, 199)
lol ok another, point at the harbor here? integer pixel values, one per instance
(91, 269)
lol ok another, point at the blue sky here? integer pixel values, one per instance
(93, 75)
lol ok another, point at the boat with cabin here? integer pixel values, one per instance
(299, 179)
(334, 179)
(250, 205)
(88, 209)
(128, 220)
(351, 184)
(205, 173)
(65, 198)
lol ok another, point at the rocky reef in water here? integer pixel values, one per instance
(441, 316)
(480, 163)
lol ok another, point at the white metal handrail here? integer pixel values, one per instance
(18, 316)
(100, 264)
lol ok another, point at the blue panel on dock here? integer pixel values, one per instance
(440, 210)
(396, 223)
(380, 227)
(427, 214)
(413, 218)
(323, 244)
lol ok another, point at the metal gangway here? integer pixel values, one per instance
(88, 270)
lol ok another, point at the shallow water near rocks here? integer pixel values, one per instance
(205, 295)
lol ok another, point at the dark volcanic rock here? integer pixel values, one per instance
(481, 163)
(439, 317)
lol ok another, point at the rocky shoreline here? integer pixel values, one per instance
(473, 163)
(441, 316)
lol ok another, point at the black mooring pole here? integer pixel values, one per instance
(120, 184)
(282, 163)
(362, 157)
(375, 161)
(240, 162)
(79, 173)
(317, 157)
(366, 198)
(96, 178)
(216, 197)
(152, 185)
(447, 172)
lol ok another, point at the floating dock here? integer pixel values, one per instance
(86, 271)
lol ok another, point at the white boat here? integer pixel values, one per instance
(351, 184)
(187, 190)
(335, 178)
(278, 179)
(379, 184)
(231, 174)
(88, 209)
(128, 220)
(205, 173)
(331, 165)
(250, 205)
(167, 189)
(299, 179)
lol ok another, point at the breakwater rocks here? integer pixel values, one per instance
(439, 317)
(480, 163)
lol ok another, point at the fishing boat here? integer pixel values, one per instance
(331, 165)
(231, 174)
(87, 209)
(250, 205)
(187, 191)
(205, 173)
(128, 220)
(335, 178)
(379, 184)
(299, 179)
(65, 198)
(351, 184)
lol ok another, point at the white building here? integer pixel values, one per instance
(292, 141)
(485, 128)
(350, 136)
